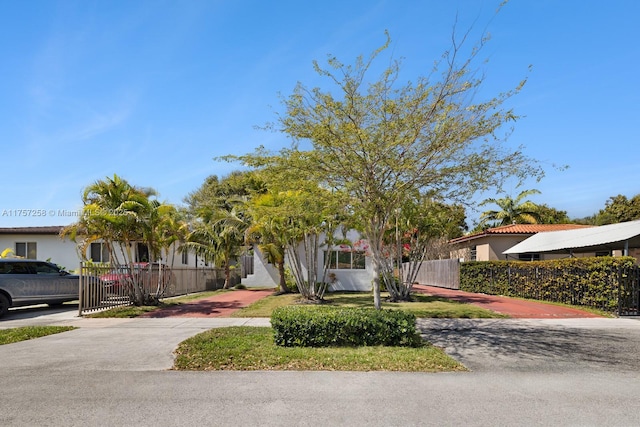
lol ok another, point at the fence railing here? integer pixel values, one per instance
(104, 286)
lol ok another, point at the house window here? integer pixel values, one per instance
(346, 260)
(142, 253)
(185, 258)
(603, 253)
(473, 255)
(99, 252)
(528, 257)
(27, 250)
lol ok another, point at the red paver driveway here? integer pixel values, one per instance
(221, 305)
(512, 307)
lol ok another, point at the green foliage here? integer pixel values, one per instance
(619, 209)
(121, 215)
(511, 211)
(379, 141)
(220, 218)
(549, 215)
(304, 326)
(591, 282)
(252, 348)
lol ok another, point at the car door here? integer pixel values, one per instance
(54, 284)
(15, 281)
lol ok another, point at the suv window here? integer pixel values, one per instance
(45, 268)
(15, 268)
(5, 268)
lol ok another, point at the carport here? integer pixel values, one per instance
(614, 237)
(621, 236)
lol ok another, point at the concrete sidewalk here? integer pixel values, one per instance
(109, 344)
(524, 372)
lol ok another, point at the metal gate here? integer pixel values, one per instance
(629, 291)
(98, 287)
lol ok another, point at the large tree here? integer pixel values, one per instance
(619, 209)
(220, 218)
(549, 215)
(379, 141)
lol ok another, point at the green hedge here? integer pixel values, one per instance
(312, 326)
(591, 282)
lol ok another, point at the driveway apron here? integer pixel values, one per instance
(515, 308)
(220, 305)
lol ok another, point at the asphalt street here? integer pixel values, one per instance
(117, 372)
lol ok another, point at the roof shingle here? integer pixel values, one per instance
(54, 229)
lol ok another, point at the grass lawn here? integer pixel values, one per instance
(253, 348)
(422, 306)
(8, 336)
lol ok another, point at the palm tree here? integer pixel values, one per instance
(512, 211)
(271, 234)
(171, 230)
(119, 215)
(219, 236)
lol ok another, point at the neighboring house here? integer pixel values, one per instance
(350, 265)
(45, 243)
(490, 244)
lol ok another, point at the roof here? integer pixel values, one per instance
(606, 237)
(518, 229)
(54, 229)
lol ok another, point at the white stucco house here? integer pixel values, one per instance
(350, 264)
(42, 243)
(45, 243)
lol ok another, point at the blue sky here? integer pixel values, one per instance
(154, 90)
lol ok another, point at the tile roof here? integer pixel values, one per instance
(54, 229)
(519, 229)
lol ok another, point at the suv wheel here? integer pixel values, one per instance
(4, 305)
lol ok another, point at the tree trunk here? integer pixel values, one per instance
(227, 276)
(376, 283)
(283, 280)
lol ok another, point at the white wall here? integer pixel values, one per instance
(49, 246)
(264, 275)
(351, 279)
(347, 279)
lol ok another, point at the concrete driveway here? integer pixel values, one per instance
(536, 345)
(523, 372)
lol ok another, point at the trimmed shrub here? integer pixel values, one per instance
(311, 326)
(591, 282)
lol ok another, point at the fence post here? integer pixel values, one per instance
(619, 290)
(80, 289)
